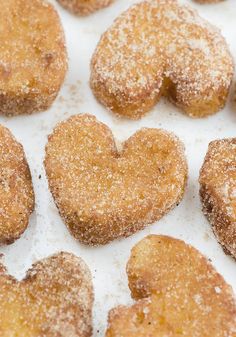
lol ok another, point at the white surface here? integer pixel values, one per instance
(47, 234)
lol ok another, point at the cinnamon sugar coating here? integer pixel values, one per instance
(16, 189)
(177, 292)
(84, 7)
(102, 193)
(33, 59)
(160, 48)
(218, 191)
(55, 299)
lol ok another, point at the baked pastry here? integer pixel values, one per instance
(55, 299)
(102, 193)
(33, 59)
(217, 191)
(177, 292)
(16, 189)
(160, 48)
(84, 7)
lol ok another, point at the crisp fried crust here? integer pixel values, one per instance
(16, 189)
(178, 293)
(55, 299)
(33, 59)
(84, 7)
(103, 193)
(217, 191)
(161, 48)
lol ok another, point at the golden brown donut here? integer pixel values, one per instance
(160, 48)
(16, 189)
(102, 193)
(33, 59)
(177, 292)
(217, 190)
(84, 7)
(55, 299)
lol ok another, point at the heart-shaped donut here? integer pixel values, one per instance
(84, 7)
(103, 193)
(158, 47)
(33, 58)
(218, 191)
(178, 293)
(16, 189)
(55, 299)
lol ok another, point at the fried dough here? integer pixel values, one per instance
(55, 299)
(178, 293)
(217, 191)
(84, 7)
(33, 59)
(160, 48)
(102, 193)
(16, 189)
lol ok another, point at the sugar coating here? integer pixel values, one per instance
(84, 7)
(103, 193)
(218, 191)
(159, 48)
(55, 299)
(33, 59)
(177, 292)
(16, 189)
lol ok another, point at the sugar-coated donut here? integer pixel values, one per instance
(102, 193)
(33, 58)
(160, 48)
